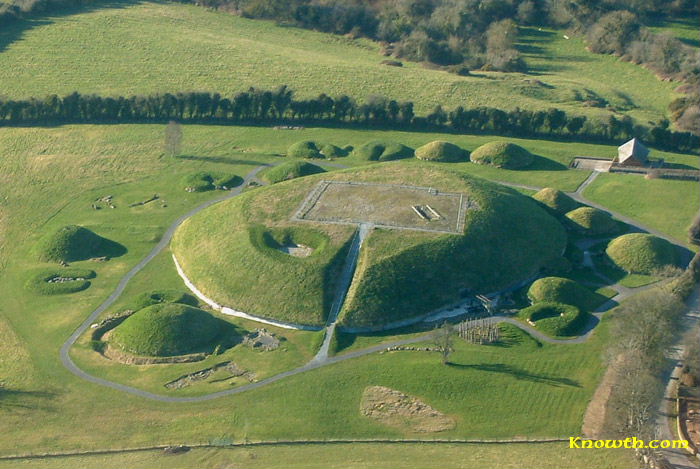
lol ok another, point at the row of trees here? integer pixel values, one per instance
(280, 105)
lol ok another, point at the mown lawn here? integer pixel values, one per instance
(171, 47)
(664, 204)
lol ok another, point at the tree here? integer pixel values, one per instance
(443, 340)
(173, 139)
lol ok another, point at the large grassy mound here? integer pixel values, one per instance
(591, 221)
(167, 329)
(502, 155)
(641, 253)
(380, 150)
(234, 253)
(291, 170)
(439, 150)
(556, 200)
(563, 290)
(75, 243)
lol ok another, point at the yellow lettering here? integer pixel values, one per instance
(573, 442)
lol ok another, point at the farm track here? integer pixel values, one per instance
(321, 359)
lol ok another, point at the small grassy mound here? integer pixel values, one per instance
(556, 200)
(439, 150)
(203, 181)
(379, 150)
(332, 151)
(563, 290)
(167, 329)
(59, 281)
(291, 170)
(75, 243)
(502, 155)
(641, 253)
(592, 221)
(305, 149)
(154, 297)
(555, 319)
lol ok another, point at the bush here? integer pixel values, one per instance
(563, 290)
(555, 319)
(304, 149)
(291, 170)
(556, 200)
(147, 299)
(203, 181)
(592, 221)
(502, 155)
(71, 243)
(641, 253)
(378, 150)
(167, 329)
(439, 150)
(40, 282)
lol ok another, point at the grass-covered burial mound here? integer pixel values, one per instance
(241, 252)
(291, 170)
(380, 150)
(591, 221)
(563, 290)
(502, 155)
(556, 200)
(75, 243)
(441, 151)
(167, 329)
(59, 281)
(641, 253)
(555, 319)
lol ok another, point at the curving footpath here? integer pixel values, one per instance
(322, 358)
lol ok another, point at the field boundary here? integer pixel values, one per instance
(286, 443)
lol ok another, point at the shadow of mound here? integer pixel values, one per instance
(518, 373)
(540, 163)
(15, 399)
(108, 248)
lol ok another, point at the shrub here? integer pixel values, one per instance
(563, 290)
(439, 150)
(162, 296)
(592, 221)
(555, 319)
(378, 150)
(41, 281)
(304, 149)
(203, 181)
(291, 170)
(71, 243)
(556, 200)
(641, 253)
(502, 155)
(167, 329)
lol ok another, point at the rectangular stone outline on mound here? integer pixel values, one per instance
(317, 192)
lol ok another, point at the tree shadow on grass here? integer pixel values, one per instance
(15, 399)
(518, 373)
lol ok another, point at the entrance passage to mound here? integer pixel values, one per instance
(386, 205)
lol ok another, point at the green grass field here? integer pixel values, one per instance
(664, 204)
(171, 47)
(352, 456)
(56, 173)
